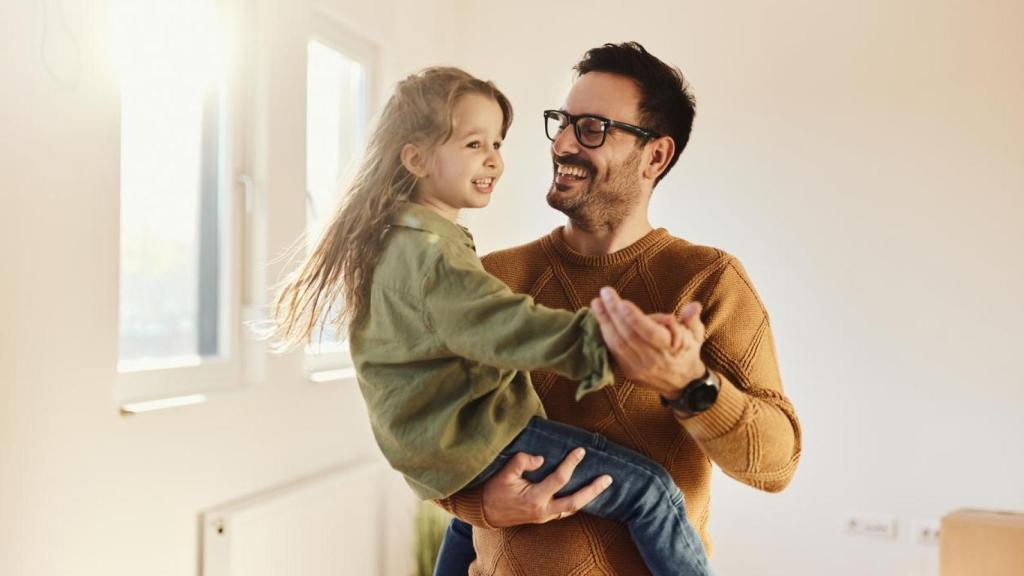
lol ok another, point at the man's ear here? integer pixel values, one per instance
(661, 152)
(414, 160)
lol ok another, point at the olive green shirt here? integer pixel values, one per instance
(442, 358)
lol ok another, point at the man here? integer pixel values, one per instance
(711, 393)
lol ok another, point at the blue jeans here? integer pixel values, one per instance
(643, 496)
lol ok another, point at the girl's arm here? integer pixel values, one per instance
(478, 317)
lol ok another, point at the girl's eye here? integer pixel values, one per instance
(474, 144)
(497, 145)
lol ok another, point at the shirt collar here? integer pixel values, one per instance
(418, 217)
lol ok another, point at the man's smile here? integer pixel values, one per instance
(567, 175)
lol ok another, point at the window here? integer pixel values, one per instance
(338, 96)
(178, 316)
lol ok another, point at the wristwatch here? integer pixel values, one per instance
(697, 396)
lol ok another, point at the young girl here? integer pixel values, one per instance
(442, 349)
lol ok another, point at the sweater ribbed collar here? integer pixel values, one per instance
(625, 255)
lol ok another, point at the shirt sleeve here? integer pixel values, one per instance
(478, 317)
(751, 432)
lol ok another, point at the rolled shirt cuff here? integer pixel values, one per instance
(596, 355)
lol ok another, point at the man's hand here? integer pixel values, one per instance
(511, 500)
(659, 359)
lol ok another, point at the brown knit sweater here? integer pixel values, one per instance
(751, 433)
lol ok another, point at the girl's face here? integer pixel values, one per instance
(462, 172)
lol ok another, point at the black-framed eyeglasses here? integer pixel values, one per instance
(590, 130)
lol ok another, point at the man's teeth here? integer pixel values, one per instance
(575, 171)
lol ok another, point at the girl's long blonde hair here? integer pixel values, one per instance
(340, 267)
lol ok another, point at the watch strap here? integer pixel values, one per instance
(697, 396)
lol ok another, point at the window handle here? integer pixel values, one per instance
(246, 181)
(248, 238)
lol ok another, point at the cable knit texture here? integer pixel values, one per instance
(751, 433)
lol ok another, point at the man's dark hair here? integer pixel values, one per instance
(666, 104)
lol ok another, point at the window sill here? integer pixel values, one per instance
(337, 375)
(132, 408)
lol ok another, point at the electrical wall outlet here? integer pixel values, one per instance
(883, 527)
(926, 532)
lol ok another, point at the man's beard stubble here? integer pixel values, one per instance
(601, 205)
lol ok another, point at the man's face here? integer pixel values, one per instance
(598, 187)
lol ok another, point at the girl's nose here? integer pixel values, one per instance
(493, 159)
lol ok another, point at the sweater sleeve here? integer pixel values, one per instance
(751, 432)
(467, 505)
(478, 317)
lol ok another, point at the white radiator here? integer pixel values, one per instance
(331, 524)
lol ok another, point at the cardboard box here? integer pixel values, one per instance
(982, 543)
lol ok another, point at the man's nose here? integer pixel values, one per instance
(565, 143)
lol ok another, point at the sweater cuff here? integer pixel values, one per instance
(722, 417)
(468, 505)
(596, 354)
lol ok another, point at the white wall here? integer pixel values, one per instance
(83, 490)
(864, 160)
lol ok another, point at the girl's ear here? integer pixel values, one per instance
(414, 160)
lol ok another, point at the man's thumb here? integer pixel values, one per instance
(690, 311)
(523, 462)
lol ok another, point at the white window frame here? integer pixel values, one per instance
(332, 32)
(224, 372)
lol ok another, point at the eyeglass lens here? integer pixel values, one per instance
(590, 131)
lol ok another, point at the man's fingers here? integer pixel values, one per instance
(634, 324)
(644, 326)
(568, 505)
(561, 476)
(689, 340)
(689, 311)
(521, 463)
(690, 317)
(676, 330)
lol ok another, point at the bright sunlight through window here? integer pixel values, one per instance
(336, 112)
(171, 58)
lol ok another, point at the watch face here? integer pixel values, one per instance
(702, 398)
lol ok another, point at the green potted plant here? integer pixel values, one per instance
(431, 523)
